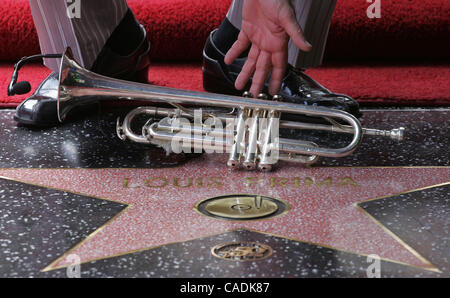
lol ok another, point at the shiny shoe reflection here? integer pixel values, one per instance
(40, 108)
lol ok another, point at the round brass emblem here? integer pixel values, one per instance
(242, 207)
(242, 251)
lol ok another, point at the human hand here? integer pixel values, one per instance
(267, 26)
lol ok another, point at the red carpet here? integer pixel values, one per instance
(178, 28)
(409, 30)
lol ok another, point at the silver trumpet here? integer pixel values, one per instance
(251, 138)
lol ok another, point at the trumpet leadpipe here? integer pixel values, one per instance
(394, 134)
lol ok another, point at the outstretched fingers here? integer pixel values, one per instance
(263, 67)
(241, 45)
(248, 69)
(279, 62)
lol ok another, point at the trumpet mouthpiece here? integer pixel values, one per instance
(398, 134)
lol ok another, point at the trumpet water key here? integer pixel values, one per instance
(251, 138)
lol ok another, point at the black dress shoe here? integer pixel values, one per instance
(40, 108)
(297, 87)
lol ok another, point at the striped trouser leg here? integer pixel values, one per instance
(314, 16)
(86, 33)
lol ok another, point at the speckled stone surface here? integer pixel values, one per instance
(81, 143)
(337, 212)
(420, 218)
(93, 143)
(426, 140)
(39, 224)
(291, 259)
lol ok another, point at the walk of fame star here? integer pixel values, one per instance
(323, 204)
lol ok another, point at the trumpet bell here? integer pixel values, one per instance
(70, 75)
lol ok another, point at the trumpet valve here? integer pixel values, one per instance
(251, 153)
(236, 150)
(233, 164)
(265, 167)
(249, 165)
